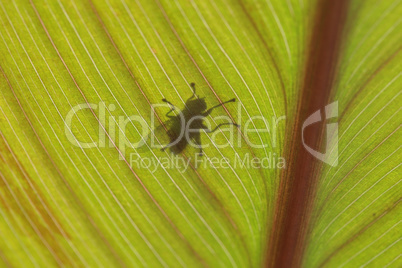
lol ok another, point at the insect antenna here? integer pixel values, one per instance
(193, 87)
(168, 102)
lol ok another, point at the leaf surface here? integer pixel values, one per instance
(114, 205)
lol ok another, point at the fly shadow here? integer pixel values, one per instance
(187, 125)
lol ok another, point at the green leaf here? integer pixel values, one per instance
(77, 71)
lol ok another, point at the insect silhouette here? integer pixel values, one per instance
(187, 125)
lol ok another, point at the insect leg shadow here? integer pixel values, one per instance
(172, 108)
(209, 111)
(207, 130)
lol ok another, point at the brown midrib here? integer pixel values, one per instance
(298, 180)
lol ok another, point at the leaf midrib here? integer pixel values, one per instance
(298, 181)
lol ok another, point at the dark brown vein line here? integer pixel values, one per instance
(39, 230)
(4, 259)
(298, 182)
(38, 203)
(360, 232)
(66, 183)
(173, 29)
(146, 190)
(350, 171)
(268, 49)
(207, 187)
(96, 117)
(367, 82)
(201, 72)
(160, 121)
